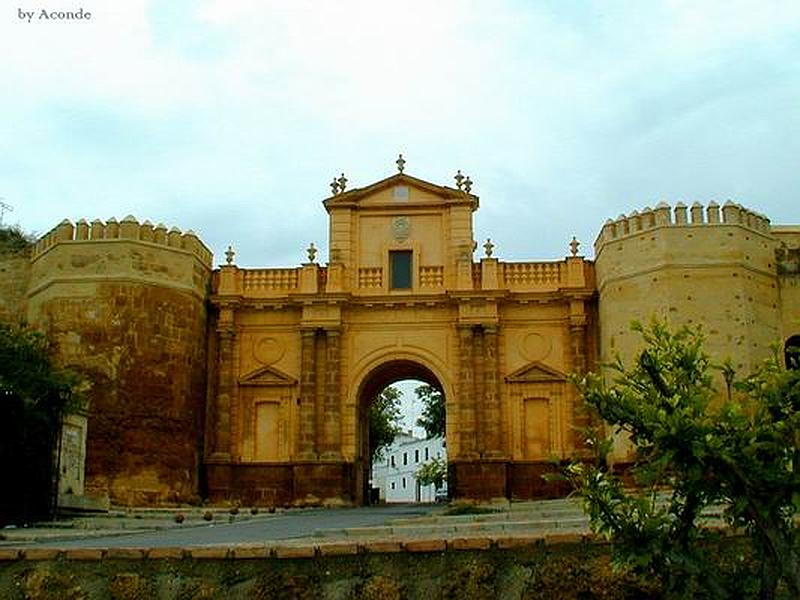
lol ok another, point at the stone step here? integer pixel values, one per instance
(497, 516)
(457, 529)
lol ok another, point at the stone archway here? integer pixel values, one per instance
(384, 374)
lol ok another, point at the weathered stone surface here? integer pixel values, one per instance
(143, 349)
(338, 549)
(162, 553)
(382, 547)
(474, 543)
(425, 546)
(9, 554)
(294, 551)
(84, 553)
(15, 272)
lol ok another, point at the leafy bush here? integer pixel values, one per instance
(694, 450)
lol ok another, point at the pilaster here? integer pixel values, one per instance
(577, 334)
(491, 396)
(466, 394)
(306, 434)
(479, 377)
(330, 444)
(222, 441)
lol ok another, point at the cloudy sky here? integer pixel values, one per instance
(230, 117)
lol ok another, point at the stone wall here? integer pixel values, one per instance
(15, 272)
(788, 259)
(130, 314)
(716, 270)
(713, 267)
(556, 565)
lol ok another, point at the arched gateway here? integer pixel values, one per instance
(298, 351)
(383, 372)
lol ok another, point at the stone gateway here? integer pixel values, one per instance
(253, 385)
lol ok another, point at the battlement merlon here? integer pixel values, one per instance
(127, 229)
(663, 215)
(120, 252)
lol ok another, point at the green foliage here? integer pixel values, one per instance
(433, 413)
(13, 240)
(695, 449)
(384, 421)
(34, 394)
(432, 472)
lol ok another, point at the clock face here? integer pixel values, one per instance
(401, 228)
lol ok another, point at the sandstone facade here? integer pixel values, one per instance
(253, 384)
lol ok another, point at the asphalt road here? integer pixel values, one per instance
(285, 526)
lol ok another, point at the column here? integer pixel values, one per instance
(306, 429)
(466, 395)
(332, 417)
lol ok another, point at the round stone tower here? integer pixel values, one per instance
(711, 266)
(702, 265)
(126, 304)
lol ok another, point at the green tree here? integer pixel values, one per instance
(433, 412)
(34, 395)
(13, 240)
(384, 421)
(433, 472)
(703, 448)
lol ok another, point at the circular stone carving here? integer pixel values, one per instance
(535, 346)
(268, 350)
(401, 228)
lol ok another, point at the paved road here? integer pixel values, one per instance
(286, 526)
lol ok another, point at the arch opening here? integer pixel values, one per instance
(400, 460)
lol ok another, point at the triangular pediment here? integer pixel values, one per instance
(267, 376)
(419, 190)
(536, 372)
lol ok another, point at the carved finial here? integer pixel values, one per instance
(312, 252)
(401, 163)
(468, 185)
(229, 254)
(342, 183)
(488, 247)
(574, 245)
(335, 186)
(459, 178)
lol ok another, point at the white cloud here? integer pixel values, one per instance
(198, 112)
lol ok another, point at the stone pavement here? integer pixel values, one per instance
(306, 531)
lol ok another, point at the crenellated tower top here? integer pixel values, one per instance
(129, 229)
(664, 215)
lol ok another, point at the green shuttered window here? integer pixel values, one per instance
(400, 268)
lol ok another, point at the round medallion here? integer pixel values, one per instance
(268, 350)
(401, 228)
(535, 346)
